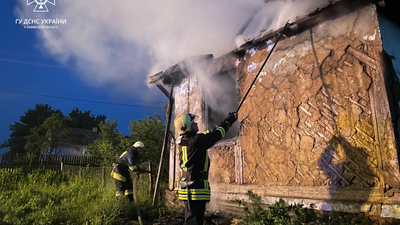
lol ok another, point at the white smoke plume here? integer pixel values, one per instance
(120, 43)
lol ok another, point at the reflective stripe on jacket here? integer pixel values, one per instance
(199, 190)
(120, 172)
(195, 163)
(126, 161)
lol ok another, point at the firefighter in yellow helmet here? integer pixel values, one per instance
(127, 162)
(194, 188)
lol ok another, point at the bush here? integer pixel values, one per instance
(278, 213)
(284, 214)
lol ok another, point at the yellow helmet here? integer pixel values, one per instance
(184, 122)
(138, 144)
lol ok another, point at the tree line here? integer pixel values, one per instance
(45, 130)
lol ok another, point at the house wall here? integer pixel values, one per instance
(188, 99)
(306, 127)
(222, 164)
(315, 128)
(318, 135)
(72, 150)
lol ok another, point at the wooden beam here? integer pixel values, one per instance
(361, 56)
(155, 78)
(166, 93)
(160, 166)
(344, 193)
(385, 141)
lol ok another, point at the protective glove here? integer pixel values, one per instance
(232, 117)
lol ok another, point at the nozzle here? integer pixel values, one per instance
(291, 29)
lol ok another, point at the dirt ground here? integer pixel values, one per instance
(219, 219)
(210, 219)
(177, 218)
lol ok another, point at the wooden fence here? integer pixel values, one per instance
(85, 166)
(45, 161)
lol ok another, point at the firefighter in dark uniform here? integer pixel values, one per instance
(194, 188)
(127, 161)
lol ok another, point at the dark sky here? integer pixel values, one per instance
(29, 76)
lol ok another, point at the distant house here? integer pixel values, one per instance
(89, 136)
(321, 123)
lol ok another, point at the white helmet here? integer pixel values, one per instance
(138, 144)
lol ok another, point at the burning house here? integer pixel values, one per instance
(320, 124)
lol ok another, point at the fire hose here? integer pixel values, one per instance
(135, 186)
(135, 180)
(262, 66)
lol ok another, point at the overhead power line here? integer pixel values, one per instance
(82, 100)
(76, 94)
(31, 63)
(59, 94)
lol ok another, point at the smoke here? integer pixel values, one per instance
(120, 43)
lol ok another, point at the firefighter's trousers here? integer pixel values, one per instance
(194, 212)
(123, 182)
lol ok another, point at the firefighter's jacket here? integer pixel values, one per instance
(195, 163)
(127, 161)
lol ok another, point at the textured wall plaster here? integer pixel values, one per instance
(222, 167)
(303, 129)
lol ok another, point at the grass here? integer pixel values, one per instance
(48, 197)
(55, 198)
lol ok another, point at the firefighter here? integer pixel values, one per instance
(194, 188)
(127, 161)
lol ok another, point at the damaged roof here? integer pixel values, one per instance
(333, 8)
(176, 73)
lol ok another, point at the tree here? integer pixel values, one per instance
(151, 132)
(35, 117)
(21, 130)
(85, 120)
(111, 145)
(51, 136)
